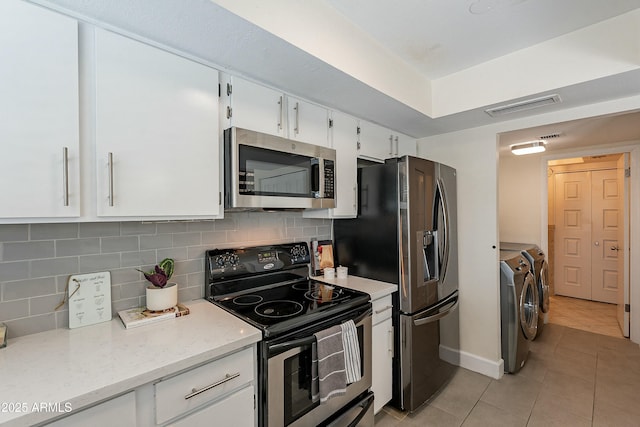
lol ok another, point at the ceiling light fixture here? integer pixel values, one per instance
(530, 147)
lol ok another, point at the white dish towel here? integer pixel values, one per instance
(351, 346)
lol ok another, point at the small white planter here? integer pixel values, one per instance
(159, 299)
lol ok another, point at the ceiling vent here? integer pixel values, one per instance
(550, 136)
(523, 105)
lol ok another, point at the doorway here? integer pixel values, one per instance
(588, 225)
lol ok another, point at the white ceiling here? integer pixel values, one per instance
(440, 37)
(435, 38)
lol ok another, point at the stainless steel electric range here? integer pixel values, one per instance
(269, 287)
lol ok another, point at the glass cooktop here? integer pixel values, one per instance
(290, 306)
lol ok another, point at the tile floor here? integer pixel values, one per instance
(592, 316)
(572, 378)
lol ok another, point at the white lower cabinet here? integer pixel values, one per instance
(234, 410)
(382, 352)
(121, 409)
(181, 394)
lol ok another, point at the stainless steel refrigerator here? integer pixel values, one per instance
(406, 233)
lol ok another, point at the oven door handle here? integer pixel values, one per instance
(285, 346)
(276, 349)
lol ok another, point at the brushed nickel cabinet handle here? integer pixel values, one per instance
(296, 129)
(391, 145)
(384, 309)
(227, 377)
(65, 175)
(281, 104)
(110, 164)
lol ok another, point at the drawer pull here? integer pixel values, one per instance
(389, 307)
(195, 392)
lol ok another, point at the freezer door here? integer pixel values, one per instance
(418, 238)
(423, 370)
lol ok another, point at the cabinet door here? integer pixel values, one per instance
(119, 411)
(236, 410)
(344, 139)
(404, 145)
(257, 108)
(157, 138)
(382, 359)
(308, 122)
(376, 142)
(39, 112)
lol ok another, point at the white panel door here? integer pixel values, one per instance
(157, 119)
(573, 235)
(607, 223)
(38, 112)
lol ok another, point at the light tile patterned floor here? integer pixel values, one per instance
(572, 378)
(592, 316)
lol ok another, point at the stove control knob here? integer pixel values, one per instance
(233, 259)
(220, 261)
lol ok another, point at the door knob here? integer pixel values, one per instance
(615, 248)
(597, 243)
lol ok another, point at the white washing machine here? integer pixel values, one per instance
(518, 309)
(537, 259)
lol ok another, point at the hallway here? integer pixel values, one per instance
(592, 316)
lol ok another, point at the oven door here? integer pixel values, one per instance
(288, 397)
(266, 171)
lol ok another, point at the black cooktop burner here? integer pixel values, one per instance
(278, 309)
(247, 300)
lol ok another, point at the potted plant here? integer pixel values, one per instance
(161, 294)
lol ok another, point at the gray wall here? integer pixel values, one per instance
(36, 260)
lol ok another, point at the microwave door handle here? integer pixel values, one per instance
(315, 177)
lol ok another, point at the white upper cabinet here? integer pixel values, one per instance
(378, 143)
(374, 142)
(39, 130)
(308, 122)
(255, 107)
(344, 139)
(157, 133)
(251, 106)
(403, 145)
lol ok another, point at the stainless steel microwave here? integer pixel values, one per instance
(263, 172)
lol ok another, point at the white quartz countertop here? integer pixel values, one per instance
(374, 288)
(79, 367)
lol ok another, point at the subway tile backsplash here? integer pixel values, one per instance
(36, 260)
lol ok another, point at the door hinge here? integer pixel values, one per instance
(627, 172)
(358, 130)
(330, 123)
(229, 112)
(229, 89)
(627, 308)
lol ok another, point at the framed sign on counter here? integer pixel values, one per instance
(89, 297)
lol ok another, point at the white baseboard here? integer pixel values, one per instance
(490, 368)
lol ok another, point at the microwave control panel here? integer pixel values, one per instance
(329, 179)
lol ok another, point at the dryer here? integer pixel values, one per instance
(518, 309)
(537, 260)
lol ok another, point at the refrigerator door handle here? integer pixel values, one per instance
(445, 232)
(450, 304)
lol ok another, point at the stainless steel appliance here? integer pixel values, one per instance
(540, 269)
(269, 287)
(405, 233)
(518, 309)
(263, 171)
